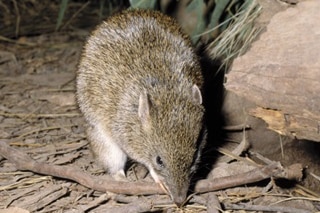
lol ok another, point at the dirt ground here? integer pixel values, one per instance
(39, 116)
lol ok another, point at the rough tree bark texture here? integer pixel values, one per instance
(281, 73)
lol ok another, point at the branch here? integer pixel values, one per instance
(24, 162)
(275, 169)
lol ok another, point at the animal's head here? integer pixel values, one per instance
(172, 125)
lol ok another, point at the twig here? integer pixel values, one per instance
(23, 162)
(235, 128)
(44, 129)
(297, 198)
(309, 191)
(265, 208)
(16, 8)
(235, 154)
(75, 14)
(292, 172)
(273, 170)
(2, 38)
(23, 115)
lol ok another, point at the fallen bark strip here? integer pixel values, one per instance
(139, 205)
(24, 162)
(213, 203)
(93, 204)
(39, 198)
(47, 200)
(249, 207)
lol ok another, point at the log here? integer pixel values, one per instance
(281, 73)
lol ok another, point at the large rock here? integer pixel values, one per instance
(281, 73)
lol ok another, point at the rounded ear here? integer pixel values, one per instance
(196, 94)
(144, 109)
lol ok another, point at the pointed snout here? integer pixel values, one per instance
(179, 195)
(179, 200)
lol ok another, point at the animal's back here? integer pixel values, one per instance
(134, 50)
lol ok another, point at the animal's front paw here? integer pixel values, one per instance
(120, 176)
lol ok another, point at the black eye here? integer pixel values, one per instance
(159, 161)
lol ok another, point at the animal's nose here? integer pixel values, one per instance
(179, 201)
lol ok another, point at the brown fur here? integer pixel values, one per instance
(138, 86)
